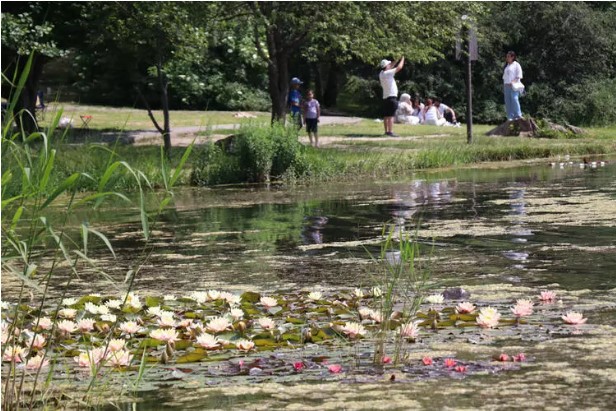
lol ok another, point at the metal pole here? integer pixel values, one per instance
(469, 91)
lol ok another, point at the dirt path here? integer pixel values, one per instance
(183, 136)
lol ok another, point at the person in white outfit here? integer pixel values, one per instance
(390, 92)
(511, 75)
(431, 115)
(404, 113)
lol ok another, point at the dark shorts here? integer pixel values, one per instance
(448, 116)
(390, 105)
(312, 125)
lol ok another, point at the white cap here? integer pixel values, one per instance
(384, 63)
(295, 80)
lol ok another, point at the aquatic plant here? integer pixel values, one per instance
(574, 318)
(488, 317)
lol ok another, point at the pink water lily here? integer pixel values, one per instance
(427, 360)
(38, 342)
(36, 362)
(449, 362)
(335, 368)
(465, 308)
(353, 330)
(268, 302)
(503, 357)
(574, 318)
(410, 330)
(522, 308)
(208, 341)
(218, 324)
(14, 353)
(167, 335)
(86, 324)
(298, 366)
(547, 296)
(386, 360)
(460, 368)
(121, 358)
(67, 326)
(519, 358)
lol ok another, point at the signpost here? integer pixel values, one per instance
(469, 54)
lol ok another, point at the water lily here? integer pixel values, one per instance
(218, 324)
(115, 304)
(67, 313)
(376, 292)
(465, 308)
(133, 301)
(386, 360)
(503, 357)
(230, 298)
(335, 368)
(119, 358)
(208, 341)
(547, 296)
(91, 357)
(268, 302)
(36, 362)
(460, 368)
(376, 317)
(435, 299)
(91, 308)
(167, 335)
(199, 296)
(574, 318)
(409, 330)
(266, 323)
(166, 320)
(298, 366)
(38, 342)
(130, 327)
(353, 329)
(449, 362)
(213, 294)
(522, 308)
(236, 313)
(315, 296)
(488, 317)
(245, 345)
(155, 311)
(519, 358)
(365, 313)
(169, 297)
(67, 326)
(427, 360)
(116, 344)
(14, 353)
(44, 323)
(67, 302)
(85, 324)
(358, 293)
(185, 323)
(5, 305)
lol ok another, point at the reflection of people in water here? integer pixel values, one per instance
(311, 233)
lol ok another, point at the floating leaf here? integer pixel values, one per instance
(250, 297)
(191, 357)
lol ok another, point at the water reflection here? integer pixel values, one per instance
(312, 232)
(519, 229)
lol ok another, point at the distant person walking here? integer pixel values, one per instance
(390, 92)
(312, 113)
(512, 74)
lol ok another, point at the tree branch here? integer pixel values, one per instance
(150, 114)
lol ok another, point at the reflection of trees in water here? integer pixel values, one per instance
(420, 193)
(312, 229)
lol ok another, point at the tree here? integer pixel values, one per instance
(363, 31)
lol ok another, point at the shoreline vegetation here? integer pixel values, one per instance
(265, 154)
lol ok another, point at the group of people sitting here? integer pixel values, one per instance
(433, 112)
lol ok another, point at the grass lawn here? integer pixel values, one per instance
(126, 118)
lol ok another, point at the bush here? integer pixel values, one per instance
(213, 166)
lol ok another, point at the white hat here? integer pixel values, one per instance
(295, 80)
(384, 63)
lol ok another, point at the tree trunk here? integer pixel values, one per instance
(330, 97)
(278, 73)
(26, 102)
(164, 97)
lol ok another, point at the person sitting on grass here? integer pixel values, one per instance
(404, 113)
(446, 112)
(431, 115)
(312, 114)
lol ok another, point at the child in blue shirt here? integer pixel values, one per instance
(294, 101)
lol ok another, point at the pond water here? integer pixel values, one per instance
(501, 233)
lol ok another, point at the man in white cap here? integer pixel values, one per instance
(390, 92)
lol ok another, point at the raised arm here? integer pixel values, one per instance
(400, 64)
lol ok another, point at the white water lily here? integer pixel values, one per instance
(409, 330)
(199, 296)
(166, 319)
(67, 326)
(269, 302)
(230, 298)
(154, 310)
(315, 296)
(91, 308)
(116, 344)
(218, 324)
(208, 341)
(353, 329)
(245, 345)
(44, 323)
(165, 335)
(236, 313)
(86, 324)
(109, 317)
(358, 293)
(435, 299)
(266, 323)
(376, 292)
(115, 304)
(67, 313)
(67, 302)
(169, 297)
(5, 305)
(130, 327)
(488, 317)
(133, 301)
